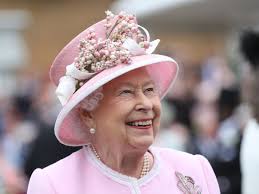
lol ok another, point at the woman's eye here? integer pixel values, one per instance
(126, 92)
(150, 89)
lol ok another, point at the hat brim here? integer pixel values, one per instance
(69, 129)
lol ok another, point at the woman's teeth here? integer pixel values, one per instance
(140, 123)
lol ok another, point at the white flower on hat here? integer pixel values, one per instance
(67, 83)
(65, 89)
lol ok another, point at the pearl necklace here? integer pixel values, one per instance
(146, 163)
(146, 166)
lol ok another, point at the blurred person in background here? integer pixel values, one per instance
(173, 133)
(205, 123)
(177, 110)
(204, 117)
(216, 122)
(2, 108)
(229, 134)
(27, 140)
(181, 100)
(18, 132)
(249, 46)
(45, 149)
(12, 180)
(217, 133)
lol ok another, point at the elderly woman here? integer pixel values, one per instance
(110, 88)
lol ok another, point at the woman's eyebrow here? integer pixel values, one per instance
(149, 82)
(126, 84)
(130, 84)
(121, 85)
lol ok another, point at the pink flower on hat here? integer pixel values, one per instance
(123, 40)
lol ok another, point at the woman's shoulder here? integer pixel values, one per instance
(195, 166)
(172, 154)
(180, 159)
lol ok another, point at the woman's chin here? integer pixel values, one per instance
(142, 143)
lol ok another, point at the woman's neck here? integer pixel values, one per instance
(132, 163)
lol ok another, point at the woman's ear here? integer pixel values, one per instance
(87, 118)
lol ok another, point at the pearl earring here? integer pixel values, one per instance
(92, 130)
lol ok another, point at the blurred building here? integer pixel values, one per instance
(192, 29)
(49, 26)
(195, 29)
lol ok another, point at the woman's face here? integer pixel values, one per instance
(129, 113)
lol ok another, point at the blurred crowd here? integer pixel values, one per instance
(207, 118)
(27, 138)
(203, 114)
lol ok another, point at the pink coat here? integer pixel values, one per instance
(83, 173)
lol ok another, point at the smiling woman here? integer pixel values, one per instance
(111, 91)
(127, 118)
(130, 112)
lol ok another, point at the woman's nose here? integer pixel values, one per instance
(144, 103)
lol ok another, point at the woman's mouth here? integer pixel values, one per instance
(141, 124)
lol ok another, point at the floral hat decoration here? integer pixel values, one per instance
(102, 52)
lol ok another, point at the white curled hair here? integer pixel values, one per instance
(92, 101)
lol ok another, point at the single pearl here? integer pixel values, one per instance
(92, 130)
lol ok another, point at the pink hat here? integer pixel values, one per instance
(102, 52)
